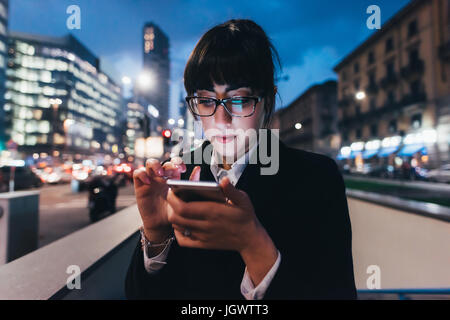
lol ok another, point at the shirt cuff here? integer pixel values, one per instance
(248, 289)
(154, 264)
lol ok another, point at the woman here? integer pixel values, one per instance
(283, 235)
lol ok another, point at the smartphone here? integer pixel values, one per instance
(196, 190)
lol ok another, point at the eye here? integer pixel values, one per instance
(241, 101)
(206, 102)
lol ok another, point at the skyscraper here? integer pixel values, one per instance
(156, 69)
(57, 100)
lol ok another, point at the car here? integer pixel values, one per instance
(57, 175)
(441, 174)
(24, 178)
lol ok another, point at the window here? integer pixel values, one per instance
(344, 76)
(358, 133)
(345, 136)
(356, 67)
(390, 69)
(412, 28)
(414, 87)
(413, 56)
(371, 76)
(374, 130)
(391, 97)
(392, 126)
(370, 58)
(356, 85)
(416, 121)
(389, 44)
(372, 104)
(344, 92)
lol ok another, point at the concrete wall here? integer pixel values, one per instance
(412, 251)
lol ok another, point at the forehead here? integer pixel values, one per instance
(223, 88)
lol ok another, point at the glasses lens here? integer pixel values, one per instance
(241, 106)
(202, 106)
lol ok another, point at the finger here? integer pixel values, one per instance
(195, 174)
(181, 230)
(237, 197)
(189, 210)
(140, 177)
(153, 168)
(184, 241)
(178, 162)
(171, 170)
(193, 234)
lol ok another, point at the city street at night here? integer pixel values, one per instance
(224, 150)
(62, 212)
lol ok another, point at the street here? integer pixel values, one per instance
(62, 212)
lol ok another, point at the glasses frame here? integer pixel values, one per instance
(223, 103)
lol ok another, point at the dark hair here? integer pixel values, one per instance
(236, 52)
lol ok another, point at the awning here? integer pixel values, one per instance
(411, 149)
(367, 154)
(384, 152)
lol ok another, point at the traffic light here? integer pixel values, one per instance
(167, 134)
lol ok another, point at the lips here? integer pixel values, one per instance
(225, 139)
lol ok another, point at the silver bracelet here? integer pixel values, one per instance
(148, 244)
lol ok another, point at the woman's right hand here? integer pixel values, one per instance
(151, 192)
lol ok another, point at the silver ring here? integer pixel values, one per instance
(187, 233)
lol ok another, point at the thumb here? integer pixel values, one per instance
(237, 197)
(195, 174)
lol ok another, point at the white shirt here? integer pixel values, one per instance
(248, 290)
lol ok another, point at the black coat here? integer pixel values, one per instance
(304, 210)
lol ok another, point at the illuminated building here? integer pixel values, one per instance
(57, 99)
(310, 121)
(3, 59)
(394, 88)
(153, 83)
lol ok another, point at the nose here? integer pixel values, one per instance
(222, 115)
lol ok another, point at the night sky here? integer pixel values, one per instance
(310, 36)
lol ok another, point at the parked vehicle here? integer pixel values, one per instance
(441, 174)
(382, 171)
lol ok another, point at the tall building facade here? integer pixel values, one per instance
(394, 89)
(156, 67)
(138, 128)
(3, 66)
(310, 121)
(57, 100)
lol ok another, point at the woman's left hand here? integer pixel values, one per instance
(213, 225)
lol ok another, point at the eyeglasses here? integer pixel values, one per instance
(235, 106)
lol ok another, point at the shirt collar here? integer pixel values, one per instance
(236, 170)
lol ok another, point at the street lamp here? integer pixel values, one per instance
(126, 80)
(146, 80)
(298, 126)
(360, 95)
